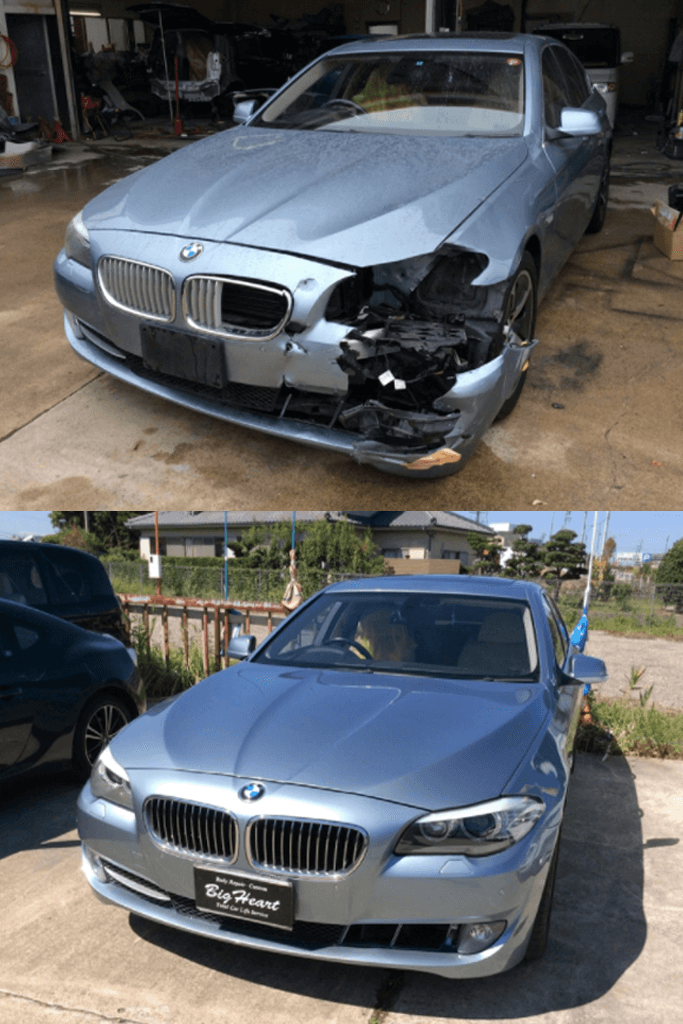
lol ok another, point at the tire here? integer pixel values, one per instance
(538, 943)
(100, 720)
(522, 318)
(600, 211)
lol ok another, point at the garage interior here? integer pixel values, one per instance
(44, 44)
(600, 422)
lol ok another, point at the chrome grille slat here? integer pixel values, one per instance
(303, 847)
(235, 308)
(192, 828)
(137, 288)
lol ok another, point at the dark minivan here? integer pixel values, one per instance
(62, 581)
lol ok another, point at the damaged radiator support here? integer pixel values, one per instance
(397, 370)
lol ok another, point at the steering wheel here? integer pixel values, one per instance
(342, 641)
(346, 103)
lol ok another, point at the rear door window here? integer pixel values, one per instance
(79, 583)
(21, 579)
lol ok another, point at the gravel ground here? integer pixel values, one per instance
(663, 661)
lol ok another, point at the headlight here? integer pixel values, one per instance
(77, 241)
(110, 781)
(473, 831)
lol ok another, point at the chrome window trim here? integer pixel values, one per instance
(294, 872)
(182, 851)
(224, 332)
(131, 309)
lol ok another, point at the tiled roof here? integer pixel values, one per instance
(423, 520)
(376, 520)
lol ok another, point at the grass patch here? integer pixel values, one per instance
(633, 618)
(621, 727)
(165, 677)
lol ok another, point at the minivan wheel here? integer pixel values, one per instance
(100, 721)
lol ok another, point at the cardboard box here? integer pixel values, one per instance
(668, 234)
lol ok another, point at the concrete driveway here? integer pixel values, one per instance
(600, 423)
(613, 955)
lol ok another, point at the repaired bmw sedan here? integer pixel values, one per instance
(357, 267)
(381, 782)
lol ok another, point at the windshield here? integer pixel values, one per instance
(478, 94)
(423, 634)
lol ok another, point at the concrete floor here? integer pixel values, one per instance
(612, 959)
(600, 423)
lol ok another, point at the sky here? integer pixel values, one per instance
(656, 531)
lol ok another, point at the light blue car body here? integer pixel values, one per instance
(306, 211)
(371, 747)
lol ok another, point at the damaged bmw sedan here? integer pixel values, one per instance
(381, 782)
(357, 266)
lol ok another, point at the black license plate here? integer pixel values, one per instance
(200, 360)
(262, 901)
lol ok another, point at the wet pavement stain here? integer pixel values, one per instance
(574, 364)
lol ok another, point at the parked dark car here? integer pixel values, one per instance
(64, 582)
(64, 691)
(381, 783)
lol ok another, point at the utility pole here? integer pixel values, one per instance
(567, 520)
(583, 531)
(156, 541)
(552, 525)
(86, 516)
(605, 535)
(225, 552)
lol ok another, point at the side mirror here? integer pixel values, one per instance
(628, 57)
(575, 121)
(586, 670)
(244, 110)
(240, 647)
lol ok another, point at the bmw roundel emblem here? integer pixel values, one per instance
(191, 251)
(252, 792)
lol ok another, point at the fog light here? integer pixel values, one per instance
(95, 864)
(476, 937)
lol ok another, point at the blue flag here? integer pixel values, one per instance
(580, 634)
(579, 638)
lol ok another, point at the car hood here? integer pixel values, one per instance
(346, 197)
(430, 743)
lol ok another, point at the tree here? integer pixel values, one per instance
(670, 575)
(339, 547)
(335, 547)
(564, 558)
(525, 562)
(487, 550)
(107, 533)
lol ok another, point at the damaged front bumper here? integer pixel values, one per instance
(466, 411)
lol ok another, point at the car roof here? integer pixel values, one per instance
(46, 547)
(487, 42)
(480, 586)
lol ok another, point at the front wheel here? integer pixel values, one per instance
(600, 212)
(520, 317)
(99, 723)
(538, 943)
